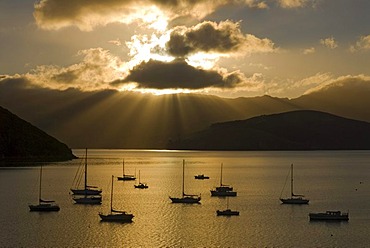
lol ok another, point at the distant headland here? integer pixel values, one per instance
(20, 141)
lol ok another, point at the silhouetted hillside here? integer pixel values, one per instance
(296, 130)
(112, 119)
(21, 141)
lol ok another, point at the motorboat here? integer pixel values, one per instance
(330, 216)
(201, 177)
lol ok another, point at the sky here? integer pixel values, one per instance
(235, 48)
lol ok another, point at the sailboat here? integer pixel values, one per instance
(115, 215)
(227, 211)
(87, 190)
(141, 185)
(44, 205)
(125, 177)
(185, 197)
(223, 189)
(294, 199)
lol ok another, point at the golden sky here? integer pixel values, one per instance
(234, 48)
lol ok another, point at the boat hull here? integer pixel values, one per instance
(223, 193)
(329, 216)
(88, 200)
(141, 186)
(188, 200)
(86, 191)
(297, 201)
(123, 217)
(201, 177)
(44, 207)
(126, 178)
(227, 212)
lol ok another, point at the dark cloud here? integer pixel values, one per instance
(224, 37)
(177, 74)
(209, 37)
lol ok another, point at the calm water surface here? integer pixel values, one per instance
(331, 180)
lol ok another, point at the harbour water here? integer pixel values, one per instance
(332, 180)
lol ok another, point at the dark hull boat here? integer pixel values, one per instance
(115, 215)
(141, 185)
(329, 216)
(186, 198)
(223, 190)
(87, 199)
(293, 199)
(227, 211)
(86, 190)
(201, 177)
(125, 177)
(43, 206)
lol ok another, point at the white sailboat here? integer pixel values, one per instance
(186, 198)
(44, 205)
(141, 185)
(227, 211)
(115, 215)
(293, 199)
(223, 189)
(86, 190)
(125, 177)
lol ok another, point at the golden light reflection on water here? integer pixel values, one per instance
(324, 177)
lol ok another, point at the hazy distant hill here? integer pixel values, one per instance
(112, 119)
(296, 130)
(20, 141)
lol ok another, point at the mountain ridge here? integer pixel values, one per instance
(294, 130)
(112, 119)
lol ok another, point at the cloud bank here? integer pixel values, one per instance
(86, 15)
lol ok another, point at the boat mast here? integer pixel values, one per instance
(291, 180)
(183, 172)
(139, 176)
(85, 168)
(40, 185)
(123, 167)
(221, 174)
(111, 197)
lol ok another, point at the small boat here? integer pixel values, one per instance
(88, 199)
(125, 177)
(293, 199)
(330, 216)
(186, 198)
(201, 176)
(44, 205)
(115, 215)
(141, 185)
(227, 211)
(86, 190)
(223, 189)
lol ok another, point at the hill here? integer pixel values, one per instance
(295, 130)
(112, 119)
(21, 141)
